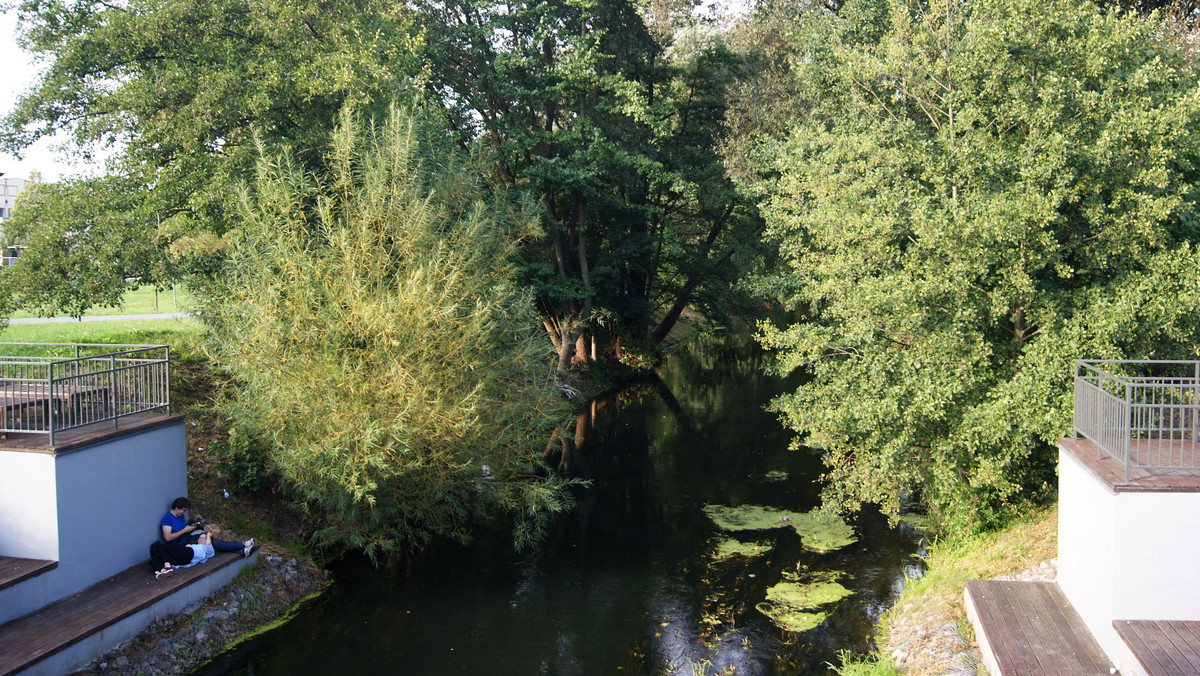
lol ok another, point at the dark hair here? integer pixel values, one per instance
(181, 503)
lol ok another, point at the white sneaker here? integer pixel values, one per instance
(248, 547)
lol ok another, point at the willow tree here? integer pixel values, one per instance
(989, 190)
(369, 316)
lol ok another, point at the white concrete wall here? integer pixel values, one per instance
(1087, 547)
(1158, 557)
(28, 507)
(1125, 556)
(110, 498)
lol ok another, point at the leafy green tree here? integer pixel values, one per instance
(613, 132)
(379, 341)
(81, 240)
(179, 88)
(989, 191)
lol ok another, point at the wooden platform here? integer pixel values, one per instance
(1163, 648)
(69, 440)
(1158, 480)
(1031, 629)
(14, 570)
(29, 639)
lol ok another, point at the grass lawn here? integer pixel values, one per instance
(141, 301)
(180, 334)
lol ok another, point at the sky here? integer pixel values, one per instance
(17, 73)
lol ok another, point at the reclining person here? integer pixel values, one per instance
(166, 559)
(176, 531)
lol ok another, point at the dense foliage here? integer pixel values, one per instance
(959, 197)
(178, 88)
(980, 195)
(612, 124)
(82, 239)
(370, 316)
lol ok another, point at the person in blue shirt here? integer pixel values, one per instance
(177, 531)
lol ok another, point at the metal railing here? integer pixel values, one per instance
(52, 387)
(1143, 414)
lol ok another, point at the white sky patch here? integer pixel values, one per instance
(18, 73)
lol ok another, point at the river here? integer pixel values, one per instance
(626, 583)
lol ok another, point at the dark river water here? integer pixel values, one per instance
(626, 582)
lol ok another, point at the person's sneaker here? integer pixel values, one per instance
(166, 570)
(249, 547)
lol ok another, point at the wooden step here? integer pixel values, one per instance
(1162, 648)
(31, 638)
(14, 570)
(1031, 629)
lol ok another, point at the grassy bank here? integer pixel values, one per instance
(140, 301)
(927, 628)
(180, 334)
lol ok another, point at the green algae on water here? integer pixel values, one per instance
(819, 531)
(775, 476)
(793, 606)
(822, 532)
(729, 548)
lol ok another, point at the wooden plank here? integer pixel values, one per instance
(14, 570)
(1077, 651)
(1050, 634)
(1164, 648)
(1145, 648)
(26, 640)
(1034, 631)
(1177, 479)
(1037, 639)
(1173, 643)
(69, 440)
(992, 614)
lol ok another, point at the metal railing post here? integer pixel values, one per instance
(1195, 415)
(50, 400)
(1127, 425)
(1074, 424)
(112, 379)
(166, 379)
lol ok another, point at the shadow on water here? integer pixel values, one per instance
(626, 583)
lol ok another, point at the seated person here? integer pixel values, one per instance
(177, 531)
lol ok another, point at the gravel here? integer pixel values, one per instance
(921, 643)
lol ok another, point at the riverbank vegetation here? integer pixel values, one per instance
(976, 194)
(926, 631)
(930, 207)
(379, 344)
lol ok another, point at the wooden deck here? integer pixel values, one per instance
(1157, 480)
(14, 570)
(69, 440)
(1163, 648)
(26, 640)
(1031, 629)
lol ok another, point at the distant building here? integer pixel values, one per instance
(9, 189)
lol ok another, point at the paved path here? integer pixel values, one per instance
(99, 318)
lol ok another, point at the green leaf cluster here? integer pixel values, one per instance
(370, 317)
(81, 240)
(175, 91)
(972, 199)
